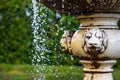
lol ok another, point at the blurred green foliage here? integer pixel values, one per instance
(15, 30)
(54, 25)
(16, 33)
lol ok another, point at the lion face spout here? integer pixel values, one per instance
(94, 41)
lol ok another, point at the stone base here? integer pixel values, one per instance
(98, 76)
(98, 70)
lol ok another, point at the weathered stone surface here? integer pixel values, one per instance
(83, 6)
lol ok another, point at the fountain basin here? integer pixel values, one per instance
(97, 24)
(78, 7)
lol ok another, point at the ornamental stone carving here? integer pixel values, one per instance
(95, 41)
(66, 41)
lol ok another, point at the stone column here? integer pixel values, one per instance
(98, 70)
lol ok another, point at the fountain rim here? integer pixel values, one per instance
(100, 15)
(78, 12)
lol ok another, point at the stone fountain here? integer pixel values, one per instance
(97, 40)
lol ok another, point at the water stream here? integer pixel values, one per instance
(44, 34)
(38, 41)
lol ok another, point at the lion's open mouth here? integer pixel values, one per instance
(94, 49)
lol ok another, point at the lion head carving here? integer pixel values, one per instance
(66, 41)
(94, 41)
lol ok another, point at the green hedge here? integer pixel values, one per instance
(16, 34)
(54, 27)
(15, 31)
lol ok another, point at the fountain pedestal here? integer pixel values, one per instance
(96, 42)
(97, 39)
(98, 70)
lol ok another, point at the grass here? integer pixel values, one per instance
(14, 72)
(44, 72)
(29, 72)
(116, 74)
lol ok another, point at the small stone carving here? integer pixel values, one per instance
(66, 41)
(95, 41)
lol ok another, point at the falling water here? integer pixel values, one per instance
(38, 41)
(40, 38)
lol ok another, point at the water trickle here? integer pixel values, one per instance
(39, 42)
(45, 28)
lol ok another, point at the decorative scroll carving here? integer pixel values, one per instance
(66, 41)
(95, 41)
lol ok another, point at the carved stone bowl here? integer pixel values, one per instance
(78, 7)
(96, 38)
